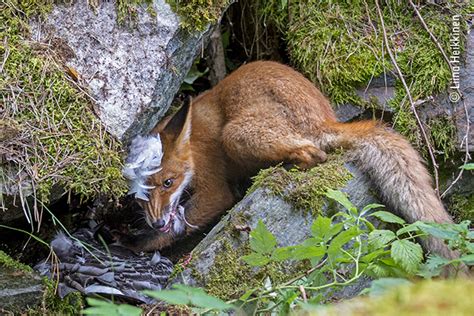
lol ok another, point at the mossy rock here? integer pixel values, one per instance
(286, 202)
(23, 291)
(54, 137)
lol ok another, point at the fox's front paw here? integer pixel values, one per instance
(307, 156)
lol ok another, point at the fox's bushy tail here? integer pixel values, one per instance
(398, 172)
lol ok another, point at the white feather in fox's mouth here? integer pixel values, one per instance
(176, 218)
(144, 159)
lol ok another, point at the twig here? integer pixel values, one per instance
(303, 294)
(410, 98)
(6, 54)
(433, 38)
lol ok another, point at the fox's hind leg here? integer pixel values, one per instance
(265, 142)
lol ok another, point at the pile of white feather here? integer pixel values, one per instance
(143, 160)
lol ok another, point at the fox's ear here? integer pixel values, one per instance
(180, 124)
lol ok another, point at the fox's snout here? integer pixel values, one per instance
(159, 223)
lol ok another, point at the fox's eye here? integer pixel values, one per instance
(167, 183)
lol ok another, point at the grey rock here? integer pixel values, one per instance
(19, 290)
(132, 72)
(378, 91)
(464, 110)
(290, 226)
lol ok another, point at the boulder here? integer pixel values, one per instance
(217, 264)
(21, 289)
(132, 72)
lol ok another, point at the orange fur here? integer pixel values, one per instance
(265, 113)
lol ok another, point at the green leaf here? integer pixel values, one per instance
(246, 295)
(408, 229)
(204, 300)
(433, 266)
(342, 199)
(407, 254)
(283, 253)
(380, 238)
(106, 308)
(334, 230)
(256, 259)
(321, 227)
(443, 231)
(261, 240)
(340, 240)
(371, 256)
(388, 217)
(371, 207)
(308, 252)
(468, 259)
(468, 166)
(186, 295)
(384, 285)
(194, 74)
(175, 297)
(128, 310)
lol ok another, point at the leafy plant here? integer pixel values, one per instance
(191, 297)
(468, 166)
(341, 249)
(109, 308)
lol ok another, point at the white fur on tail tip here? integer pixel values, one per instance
(144, 159)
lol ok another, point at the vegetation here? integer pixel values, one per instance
(53, 137)
(424, 298)
(198, 14)
(50, 131)
(50, 302)
(308, 188)
(339, 46)
(342, 249)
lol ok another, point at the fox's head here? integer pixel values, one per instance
(160, 167)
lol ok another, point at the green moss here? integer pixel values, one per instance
(305, 189)
(230, 276)
(52, 304)
(7, 261)
(61, 141)
(127, 11)
(425, 298)
(339, 46)
(197, 14)
(462, 207)
(443, 135)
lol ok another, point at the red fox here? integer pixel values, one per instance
(262, 114)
